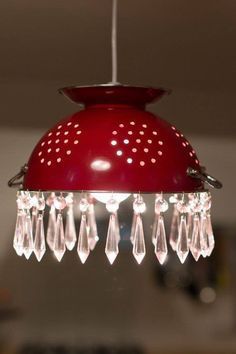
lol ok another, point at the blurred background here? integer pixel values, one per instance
(185, 45)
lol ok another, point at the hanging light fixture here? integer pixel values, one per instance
(108, 151)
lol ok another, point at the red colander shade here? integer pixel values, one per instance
(113, 144)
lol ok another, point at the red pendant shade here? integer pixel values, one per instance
(113, 144)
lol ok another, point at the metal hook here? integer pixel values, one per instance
(205, 177)
(14, 181)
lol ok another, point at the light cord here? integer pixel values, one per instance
(114, 42)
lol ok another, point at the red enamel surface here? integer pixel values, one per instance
(113, 144)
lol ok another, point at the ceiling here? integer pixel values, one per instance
(185, 45)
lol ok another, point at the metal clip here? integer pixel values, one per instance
(203, 176)
(14, 181)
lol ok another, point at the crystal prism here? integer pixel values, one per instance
(182, 244)
(83, 244)
(19, 233)
(111, 248)
(59, 247)
(154, 228)
(211, 240)
(203, 235)
(195, 246)
(39, 241)
(34, 220)
(92, 227)
(173, 239)
(51, 230)
(133, 227)
(160, 241)
(139, 249)
(28, 243)
(70, 233)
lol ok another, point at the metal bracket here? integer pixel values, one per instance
(15, 181)
(205, 177)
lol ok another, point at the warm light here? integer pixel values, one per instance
(106, 196)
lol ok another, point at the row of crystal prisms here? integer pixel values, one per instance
(191, 229)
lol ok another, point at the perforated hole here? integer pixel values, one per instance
(184, 145)
(58, 159)
(160, 153)
(145, 150)
(144, 125)
(197, 162)
(49, 163)
(119, 152)
(43, 143)
(58, 133)
(149, 141)
(113, 142)
(190, 154)
(40, 153)
(49, 142)
(49, 150)
(121, 125)
(78, 132)
(57, 141)
(134, 150)
(130, 132)
(132, 123)
(68, 152)
(173, 127)
(66, 133)
(126, 141)
(129, 160)
(58, 149)
(42, 160)
(138, 141)
(142, 163)
(49, 134)
(160, 142)
(69, 123)
(177, 134)
(76, 142)
(76, 125)
(59, 127)
(141, 132)
(153, 160)
(114, 132)
(154, 132)
(66, 141)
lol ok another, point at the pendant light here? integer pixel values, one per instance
(111, 150)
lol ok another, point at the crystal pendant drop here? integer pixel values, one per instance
(203, 235)
(83, 244)
(139, 249)
(182, 244)
(92, 227)
(51, 230)
(195, 246)
(59, 247)
(70, 233)
(39, 241)
(154, 229)
(174, 229)
(19, 233)
(28, 243)
(34, 220)
(117, 228)
(111, 248)
(133, 227)
(211, 240)
(160, 241)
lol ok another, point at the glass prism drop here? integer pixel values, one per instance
(133, 227)
(34, 220)
(39, 240)
(19, 233)
(111, 248)
(83, 249)
(154, 229)
(59, 247)
(51, 230)
(160, 241)
(210, 235)
(70, 233)
(182, 244)
(92, 227)
(174, 228)
(28, 242)
(195, 246)
(139, 248)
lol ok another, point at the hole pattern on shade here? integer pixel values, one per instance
(184, 143)
(143, 143)
(69, 131)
